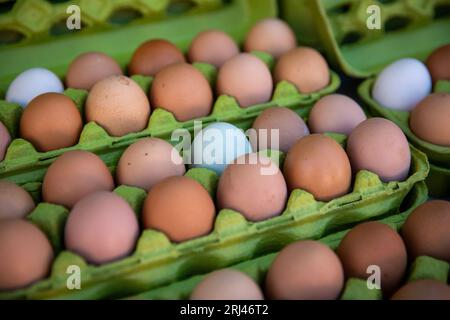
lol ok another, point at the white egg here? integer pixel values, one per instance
(32, 83)
(402, 84)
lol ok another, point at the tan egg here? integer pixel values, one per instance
(430, 119)
(154, 55)
(182, 90)
(212, 46)
(318, 165)
(25, 254)
(305, 270)
(438, 63)
(180, 207)
(119, 105)
(379, 145)
(304, 67)
(246, 78)
(335, 113)
(424, 289)
(5, 139)
(271, 35)
(15, 202)
(51, 121)
(74, 175)
(147, 162)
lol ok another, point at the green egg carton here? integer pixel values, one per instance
(408, 28)
(354, 289)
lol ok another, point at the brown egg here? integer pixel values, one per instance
(271, 35)
(423, 290)
(74, 175)
(15, 202)
(101, 228)
(90, 67)
(182, 90)
(246, 78)
(290, 126)
(180, 207)
(319, 165)
(147, 162)
(430, 119)
(254, 186)
(305, 270)
(51, 121)
(304, 67)
(212, 46)
(426, 231)
(227, 284)
(335, 113)
(25, 254)
(377, 244)
(154, 55)
(5, 139)
(438, 63)
(119, 105)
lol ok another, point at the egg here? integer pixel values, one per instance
(374, 244)
(335, 113)
(227, 284)
(246, 78)
(318, 165)
(180, 207)
(270, 35)
(15, 202)
(74, 175)
(147, 162)
(5, 139)
(217, 145)
(90, 67)
(182, 90)
(424, 289)
(305, 270)
(101, 228)
(25, 254)
(426, 230)
(32, 83)
(51, 121)
(430, 119)
(379, 145)
(212, 46)
(402, 84)
(438, 63)
(119, 105)
(254, 186)
(152, 56)
(282, 125)
(305, 68)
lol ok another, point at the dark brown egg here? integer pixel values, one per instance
(423, 290)
(438, 63)
(15, 202)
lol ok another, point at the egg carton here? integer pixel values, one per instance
(408, 28)
(157, 262)
(354, 289)
(439, 156)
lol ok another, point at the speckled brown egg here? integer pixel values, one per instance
(74, 175)
(289, 125)
(180, 207)
(318, 165)
(430, 119)
(5, 139)
(424, 289)
(426, 231)
(25, 254)
(182, 90)
(15, 202)
(147, 162)
(304, 67)
(212, 46)
(119, 105)
(153, 55)
(379, 145)
(246, 78)
(305, 270)
(51, 121)
(438, 63)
